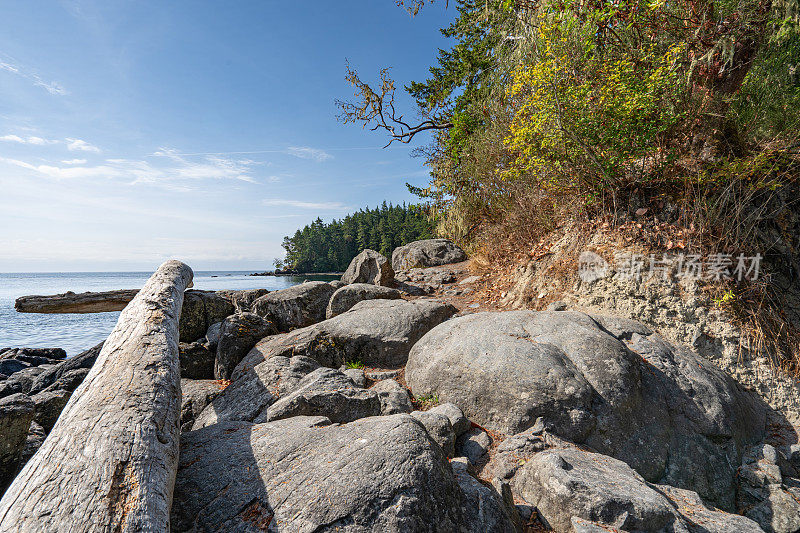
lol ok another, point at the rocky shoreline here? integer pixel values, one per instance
(394, 399)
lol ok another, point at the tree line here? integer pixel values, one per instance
(321, 247)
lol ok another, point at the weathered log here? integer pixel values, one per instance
(70, 302)
(109, 463)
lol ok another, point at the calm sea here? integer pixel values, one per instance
(75, 333)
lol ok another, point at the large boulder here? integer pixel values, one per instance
(608, 383)
(49, 404)
(200, 310)
(243, 300)
(238, 334)
(765, 493)
(16, 414)
(23, 380)
(303, 474)
(249, 396)
(295, 307)
(349, 295)
(427, 253)
(196, 394)
(565, 483)
(196, 360)
(329, 393)
(369, 267)
(376, 332)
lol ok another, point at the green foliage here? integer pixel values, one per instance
(357, 364)
(426, 401)
(321, 247)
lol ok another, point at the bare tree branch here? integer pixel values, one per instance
(375, 109)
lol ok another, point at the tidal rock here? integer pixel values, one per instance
(212, 336)
(16, 414)
(33, 442)
(252, 393)
(369, 267)
(51, 375)
(35, 356)
(295, 307)
(196, 395)
(393, 396)
(69, 380)
(376, 332)
(49, 405)
(196, 360)
(298, 474)
(200, 310)
(349, 295)
(610, 384)
(329, 393)
(12, 366)
(427, 253)
(22, 381)
(238, 334)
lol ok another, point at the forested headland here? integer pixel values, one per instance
(329, 247)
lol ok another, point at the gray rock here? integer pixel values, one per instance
(295, 307)
(763, 494)
(252, 393)
(469, 280)
(212, 336)
(460, 423)
(22, 381)
(356, 375)
(196, 360)
(393, 396)
(349, 295)
(238, 334)
(567, 482)
(196, 394)
(427, 253)
(474, 445)
(69, 380)
(381, 374)
(45, 353)
(557, 306)
(378, 333)
(16, 414)
(374, 474)
(337, 284)
(49, 405)
(325, 392)
(369, 267)
(33, 442)
(200, 310)
(439, 428)
(483, 504)
(11, 366)
(243, 300)
(51, 375)
(672, 416)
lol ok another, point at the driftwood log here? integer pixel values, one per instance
(70, 302)
(109, 463)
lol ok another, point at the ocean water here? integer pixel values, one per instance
(77, 332)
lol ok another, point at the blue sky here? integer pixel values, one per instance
(134, 131)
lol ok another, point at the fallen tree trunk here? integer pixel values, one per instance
(109, 463)
(70, 302)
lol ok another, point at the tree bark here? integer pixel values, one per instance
(70, 302)
(109, 463)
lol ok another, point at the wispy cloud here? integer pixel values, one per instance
(177, 173)
(305, 152)
(72, 144)
(327, 206)
(50, 86)
(78, 145)
(39, 141)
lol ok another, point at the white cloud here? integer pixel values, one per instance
(175, 174)
(80, 145)
(328, 206)
(304, 152)
(39, 141)
(50, 86)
